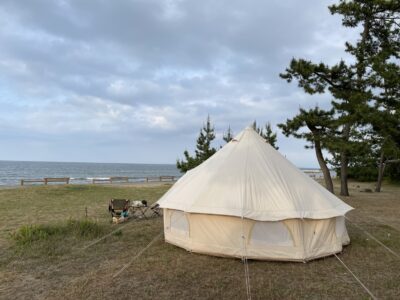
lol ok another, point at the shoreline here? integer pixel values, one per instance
(120, 184)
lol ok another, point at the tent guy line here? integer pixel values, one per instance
(139, 254)
(104, 236)
(247, 277)
(358, 280)
(384, 223)
(374, 238)
(141, 251)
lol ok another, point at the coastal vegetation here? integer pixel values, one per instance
(203, 151)
(38, 262)
(358, 135)
(204, 148)
(361, 129)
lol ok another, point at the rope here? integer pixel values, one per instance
(384, 223)
(145, 248)
(138, 254)
(375, 239)
(104, 236)
(356, 278)
(247, 277)
(108, 234)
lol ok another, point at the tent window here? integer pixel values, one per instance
(179, 223)
(340, 226)
(270, 234)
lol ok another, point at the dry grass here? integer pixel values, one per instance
(69, 271)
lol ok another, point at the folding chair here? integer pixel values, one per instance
(156, 210)
(117, 206)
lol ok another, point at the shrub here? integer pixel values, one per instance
(29, 234)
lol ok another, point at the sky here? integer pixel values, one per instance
(134, 80)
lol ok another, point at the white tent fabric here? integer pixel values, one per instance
(247, 200)
(249, 178)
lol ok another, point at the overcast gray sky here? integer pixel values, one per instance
(134, 80)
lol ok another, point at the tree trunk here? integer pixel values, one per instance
(344, 189)
(323, 166)
(380, 173)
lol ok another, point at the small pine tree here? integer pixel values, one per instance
(266, 133)
(270, 136)
(203, 149)
(190, 163)
(256, 127)
(228, 136)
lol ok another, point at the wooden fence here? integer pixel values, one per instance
(46, 180)
(110, 180)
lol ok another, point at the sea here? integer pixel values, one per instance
(11, 172)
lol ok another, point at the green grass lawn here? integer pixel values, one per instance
(47, 252)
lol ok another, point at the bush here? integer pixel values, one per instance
(29, 234)
(85, 228)
(393, 172)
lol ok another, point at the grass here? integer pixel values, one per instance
(49, 252)
(29, 234)
(54, 239)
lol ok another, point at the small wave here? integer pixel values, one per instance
(97, 178)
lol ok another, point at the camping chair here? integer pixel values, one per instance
(117, 206)
(139, 208)
(156, 210)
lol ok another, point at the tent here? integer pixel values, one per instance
(247, 200)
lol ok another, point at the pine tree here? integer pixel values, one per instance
(349, 102)
(320, 125)
(256, 127)
(203, 151)
(270, 136)
(190, 163)
(386, 132)
(266, 133)
(352, 85)
(228, 136)
(378, 51)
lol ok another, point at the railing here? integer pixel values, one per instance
(46, 180)
(23, 181)
(135, 179)
(110, 180)
(317, 173)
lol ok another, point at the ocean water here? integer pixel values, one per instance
(11, 172)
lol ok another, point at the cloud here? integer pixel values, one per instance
(152, 70)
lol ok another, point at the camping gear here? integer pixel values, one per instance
(138, 208)
(119, 206)
(249, 201)
(156, 210)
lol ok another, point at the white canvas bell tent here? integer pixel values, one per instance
(247, 200)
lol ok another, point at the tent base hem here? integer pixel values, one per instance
(329, 250)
